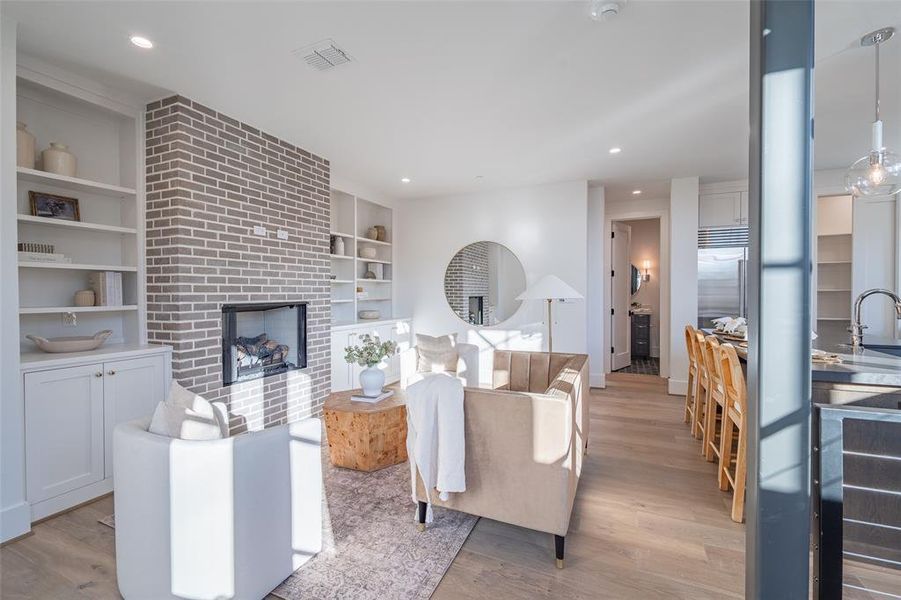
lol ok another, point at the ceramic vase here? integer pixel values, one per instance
(372, 380)
(84, 298)
(339, 246)
(382, 233)
(24, 146)
(372, 233)
(57, 159)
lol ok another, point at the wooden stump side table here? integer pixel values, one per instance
(363, 436)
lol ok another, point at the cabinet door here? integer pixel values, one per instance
(63, 430)
(719, 210)
(131, 390)
(743, 208)
(402, 334)
(340, 368)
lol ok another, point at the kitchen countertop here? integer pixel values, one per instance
(863, 367)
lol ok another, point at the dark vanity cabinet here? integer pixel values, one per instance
(641, 336)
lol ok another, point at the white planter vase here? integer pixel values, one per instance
(57, 159)
(372, 380)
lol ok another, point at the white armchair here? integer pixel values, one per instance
(467, 365)
(226, 518)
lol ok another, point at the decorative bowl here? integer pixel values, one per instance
(367, 252)
(75, 343)
(369, 315)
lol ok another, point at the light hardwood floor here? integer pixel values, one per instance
(649, 522)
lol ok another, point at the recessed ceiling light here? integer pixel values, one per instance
(636, 192)
(141, 42)
(405, 180)
(615, 150)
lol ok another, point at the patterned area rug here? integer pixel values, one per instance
(371, 547)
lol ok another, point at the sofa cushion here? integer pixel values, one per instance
(436, 354)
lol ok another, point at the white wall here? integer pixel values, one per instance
(15, 514)
(645, 245)
(683, 276)
(596, 318)
(544, 226)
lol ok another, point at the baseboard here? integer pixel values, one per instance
(15, 521)
(597, 380)
(676, 387)
(63, 502)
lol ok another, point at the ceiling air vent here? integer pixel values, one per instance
(323, 55)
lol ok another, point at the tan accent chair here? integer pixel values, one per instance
(525, 441)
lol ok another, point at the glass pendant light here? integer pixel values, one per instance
(879, 172)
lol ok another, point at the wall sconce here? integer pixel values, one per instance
(647, 275)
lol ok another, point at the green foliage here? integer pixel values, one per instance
(372, 351)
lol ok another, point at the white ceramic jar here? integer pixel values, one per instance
(57, 159)
(24, 146)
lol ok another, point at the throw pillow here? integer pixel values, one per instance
(436, 354)
(188, 416)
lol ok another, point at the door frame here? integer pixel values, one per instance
(622, 318)
(662, 214)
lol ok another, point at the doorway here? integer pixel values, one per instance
(635, 296)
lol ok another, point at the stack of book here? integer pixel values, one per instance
(107, 286)
(38, 252)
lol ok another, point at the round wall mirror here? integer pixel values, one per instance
(635, 280)
(481, 283)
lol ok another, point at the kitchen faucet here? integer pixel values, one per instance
(857, 327)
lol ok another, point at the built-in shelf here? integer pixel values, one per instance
(833, 234)
(342, 280)
(76, 225)
(74, 183)
(375, 260)
(75, 266)
(373, 281)
(339, 234)
(373, 299)
(341, 301)
(368, 241)
(50, 310)
(341, 257)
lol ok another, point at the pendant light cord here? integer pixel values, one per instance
(877, 44)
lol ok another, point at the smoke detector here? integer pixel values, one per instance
(604, 10)
(323, 55)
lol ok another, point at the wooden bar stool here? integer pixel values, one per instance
(701, 384)
(690, 392)
(734, 420)
(715, 402)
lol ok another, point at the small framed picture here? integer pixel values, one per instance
(54, 207)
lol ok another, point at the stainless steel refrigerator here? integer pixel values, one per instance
(722, 273)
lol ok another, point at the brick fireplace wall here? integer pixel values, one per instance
(210, 180)
(467, 275)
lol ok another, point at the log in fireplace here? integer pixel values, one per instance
(260, 340)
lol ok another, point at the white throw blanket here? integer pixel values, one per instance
(436, 443)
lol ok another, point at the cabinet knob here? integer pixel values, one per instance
(111, 372)
(98, 374)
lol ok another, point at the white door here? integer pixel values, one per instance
(621, 296)
(63, 430)
(131, 390)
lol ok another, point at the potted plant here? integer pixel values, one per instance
(368, 355)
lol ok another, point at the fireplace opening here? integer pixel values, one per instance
(477, 310)
(260, 340)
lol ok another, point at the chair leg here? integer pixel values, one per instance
(696, 420)
(741, 472)
(558, 549)
(710, 441)
(709, 424)
(726, 433)
(688, 397)
(422, 507)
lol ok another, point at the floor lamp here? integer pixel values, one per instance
(550, 288)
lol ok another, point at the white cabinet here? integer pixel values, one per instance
(131, 390)
(63, 430)
(345, 376)
(71, 408)
(726, 209)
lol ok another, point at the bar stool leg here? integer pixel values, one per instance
(741, 472)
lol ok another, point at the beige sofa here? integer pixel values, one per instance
(525, 441)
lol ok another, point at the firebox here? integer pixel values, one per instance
(259, 340)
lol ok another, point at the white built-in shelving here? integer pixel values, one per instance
(352, 291)
(107, 139)
(833, 259)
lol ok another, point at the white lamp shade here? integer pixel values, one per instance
(550, 287)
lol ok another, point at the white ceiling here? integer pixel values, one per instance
(442, 92)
